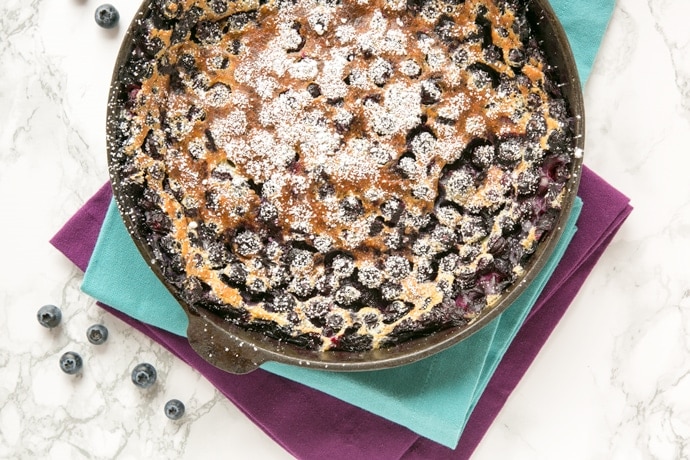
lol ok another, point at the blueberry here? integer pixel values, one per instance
(70, 363)
(144, 375)
(395, 311)
(174, 409)
(49, 316)
(351, 208)
(107, 16)
(207, 33)
(97, 334)
(431, 92)
(516, 57)
(347, 295)
(218, 6)
(397, 267)
(314, 90)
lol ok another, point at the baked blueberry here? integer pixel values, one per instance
(293, 40)
(247, 243)
(510, 150)
(235, 274)
(218, 6)
(380, 71)
(395, 310)
(482, 156)
(339, 263)
(516, 57)
(410, 68)
(333, 324)
(397, 267)
(314, 90)
(431, 92)
(282, 302)
(444, 29)
(370, 276)
(391, 290)
(207, 32)
(351, 208)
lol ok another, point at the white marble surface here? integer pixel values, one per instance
(611, 383)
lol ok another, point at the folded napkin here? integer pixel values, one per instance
(311, 424)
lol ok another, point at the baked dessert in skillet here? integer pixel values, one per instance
(340, 175)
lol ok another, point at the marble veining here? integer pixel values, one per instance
(612, 382)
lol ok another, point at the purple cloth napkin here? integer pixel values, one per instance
(312, 425)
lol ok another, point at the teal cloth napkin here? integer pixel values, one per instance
(585, 22)
(433, 397)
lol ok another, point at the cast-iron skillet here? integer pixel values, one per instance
(239, 351)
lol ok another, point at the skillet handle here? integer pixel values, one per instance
(217, 348)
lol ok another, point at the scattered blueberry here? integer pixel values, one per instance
(49, 316)
(97, 334)
(144, 375)
(70, 363)
(174, 409)
(107, 16)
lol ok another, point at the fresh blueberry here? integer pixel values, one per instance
(174, 409)
(107, 16)
(49, 316)
(97, 334)
(70, 363)
(144, 375)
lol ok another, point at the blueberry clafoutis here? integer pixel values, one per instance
(340, 174)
